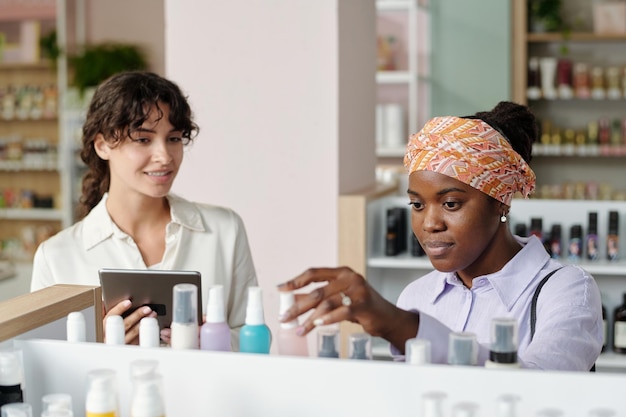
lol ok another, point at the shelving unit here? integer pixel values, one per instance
(413, 79)
(390, 274)
(570, 163)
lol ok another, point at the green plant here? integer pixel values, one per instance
(98, 62)
(49, 46)
(546, 13)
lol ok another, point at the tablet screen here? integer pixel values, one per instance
(146, 287)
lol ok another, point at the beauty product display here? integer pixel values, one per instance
(149, 332)
(289, 343)
(185, 317)
(418, 351)
(11, 377)
(619, 327)
(360, 346)
(215, 332)
(612, 240)
(328, 342)
(255, 336)
(114, 330)
(102, 397)
(504, 342)
(76, 327)
(462, 349)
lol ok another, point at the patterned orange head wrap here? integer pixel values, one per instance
(472, 152)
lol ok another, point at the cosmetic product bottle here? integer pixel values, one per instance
(462, 349)
(591, 241)
(147, 397)
(581, 80)
(75, 327)
(547, 68)
(564, 79)
(396, 233)
(619, 327)
(149, 332)
(555, 241)
(143, 368)
(504, 342)
(598, 91)
(432, 404)
(114, 333)
(215, 332)
(255, 336)
(416, 248)
(521, 230)
(57, 405)
(612, 239)
(417, 351)
(533, 91)
(574, 247)
(11, 372)
(506, 405)
(16, 410)
(327, 342)
(289, 343)
(360, 346)
(101, 399)
(536, 227)
(185, 317)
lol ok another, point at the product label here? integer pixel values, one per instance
(619, 338)
(109, 414)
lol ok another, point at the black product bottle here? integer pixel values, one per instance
(521, 230)
(416, 248)
(619, 327)
(536, 227)
(396, 237)
(575, 243)
(555, 241)
(591, 242)
(612, 239)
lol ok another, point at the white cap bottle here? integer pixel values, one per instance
(147, 400)
(57, 405)
(114, 333)
(418, 351)
(185, 317)
(255, 336)
(289, 343)
(16, 410)
(149, 332)
(75, 327)
(11, 377)
(101, 399)
(215, 332)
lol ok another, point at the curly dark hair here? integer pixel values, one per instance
(120, 105)
(515, 122)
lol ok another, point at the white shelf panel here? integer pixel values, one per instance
(391, 152)
(31, 214)
(612, 360)
(394, 77)
(26, 166)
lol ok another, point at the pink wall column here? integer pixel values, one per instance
(284, 94)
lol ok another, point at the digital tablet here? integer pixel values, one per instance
(146, 287)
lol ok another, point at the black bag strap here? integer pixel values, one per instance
(533, 308)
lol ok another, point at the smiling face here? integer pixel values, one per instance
(146, 163)
(458, 226)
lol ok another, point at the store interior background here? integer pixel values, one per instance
(284, 92)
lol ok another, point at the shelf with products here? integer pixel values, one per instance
(34, 169)
(402, 77)
(575, 83)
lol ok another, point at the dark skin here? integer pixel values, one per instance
(460, 230)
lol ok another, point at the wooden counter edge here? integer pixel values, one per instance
(30, 311)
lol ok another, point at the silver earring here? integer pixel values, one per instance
(503, 218)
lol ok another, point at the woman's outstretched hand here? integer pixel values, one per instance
(348, 296)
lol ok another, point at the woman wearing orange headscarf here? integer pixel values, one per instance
(463, 174)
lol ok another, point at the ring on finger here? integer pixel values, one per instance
(345, 300)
